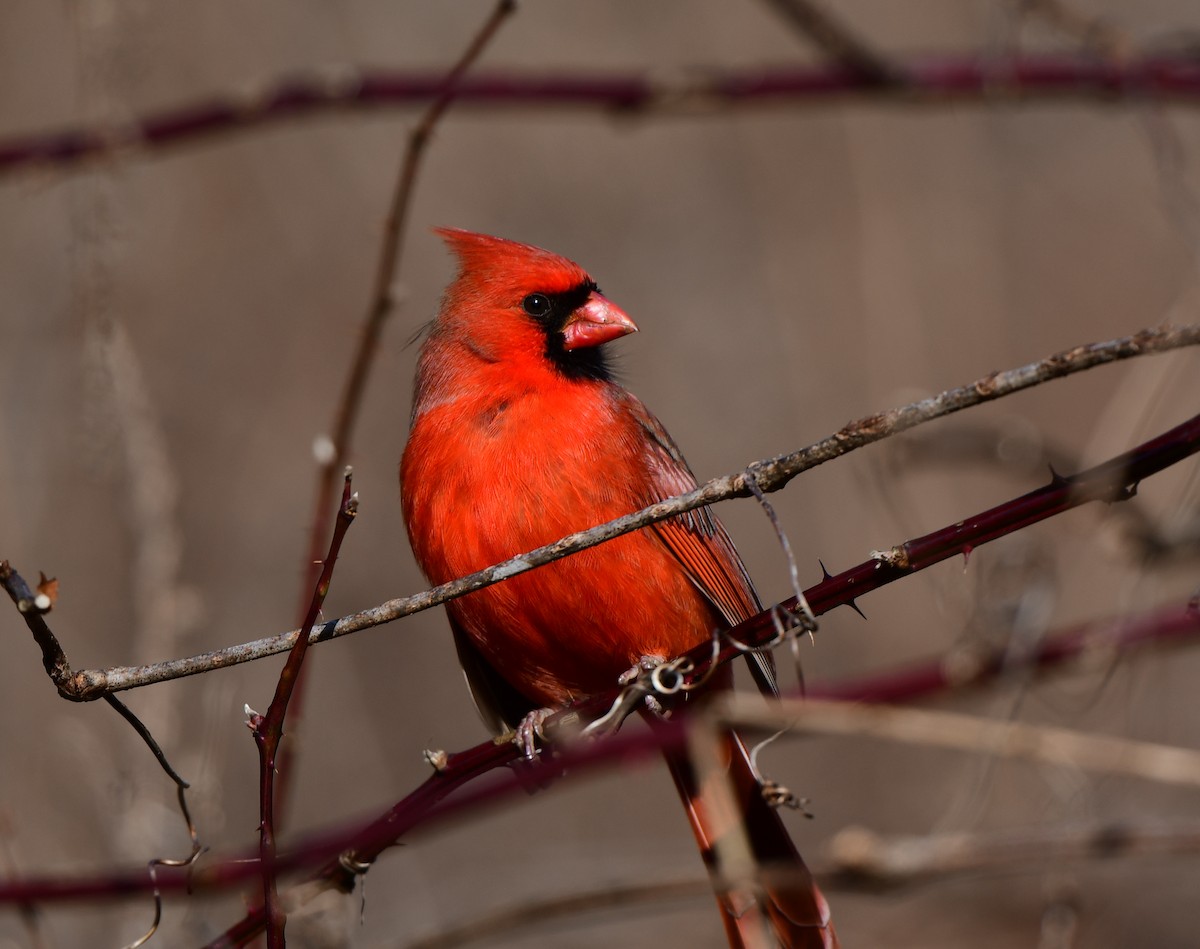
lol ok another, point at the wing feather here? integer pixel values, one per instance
(699, 541)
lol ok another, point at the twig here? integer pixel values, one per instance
(939, 81)
(382, 290)
(838, 41)
(771, 474)
(861, 859)
(33, 607)
(268, 729)
(1148, 761)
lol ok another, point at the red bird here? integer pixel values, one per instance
(519, 437)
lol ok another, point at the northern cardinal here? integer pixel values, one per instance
(519, 437)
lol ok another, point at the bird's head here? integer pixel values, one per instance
(514, 302)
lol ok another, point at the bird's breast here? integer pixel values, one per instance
(511, 472)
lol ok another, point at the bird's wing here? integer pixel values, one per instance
(699, 541)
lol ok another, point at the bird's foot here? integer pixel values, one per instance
(635, 688)
(530, 731)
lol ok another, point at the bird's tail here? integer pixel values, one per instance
(778, 902)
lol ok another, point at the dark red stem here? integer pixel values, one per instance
(268, 729)
(934, 78)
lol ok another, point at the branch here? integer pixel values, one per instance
(863, 860)
(936, 80)
(268, 729)
(1166, 764)
(382, 296)
(770, 474)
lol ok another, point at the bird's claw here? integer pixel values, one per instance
(635, 687)
(643, 665)
(530, 731)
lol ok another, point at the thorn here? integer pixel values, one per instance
(1122, 493)
(854, 606)
(825, 574)
(966, 552)
(437, 759)
(1055, 478)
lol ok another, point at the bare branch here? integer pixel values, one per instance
(861, 859)
(1166, 764)
(770, 474)
(949, 79)
(382, 290)
(268, 729)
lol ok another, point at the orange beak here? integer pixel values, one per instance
(596, 322)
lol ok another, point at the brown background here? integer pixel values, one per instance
(175, 329)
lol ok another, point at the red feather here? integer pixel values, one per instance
(519, 437)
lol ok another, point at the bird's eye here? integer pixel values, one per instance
(536, 304)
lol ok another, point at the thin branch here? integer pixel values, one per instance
(862, 860)
(268, 729)
(1148, 761)
(382, 299)
(841, 44)
(770, 474)
(33, 608)
(940, 81)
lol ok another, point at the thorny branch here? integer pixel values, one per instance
(770, 474)
(351, 852)
(933, 80)
(357, 849)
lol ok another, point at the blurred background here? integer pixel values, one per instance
(175, 327)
